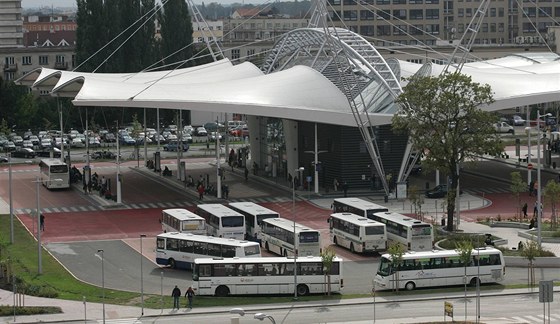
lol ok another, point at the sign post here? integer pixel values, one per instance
(530, 166)
(447, 310)
(546, 289)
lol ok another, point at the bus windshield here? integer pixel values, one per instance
(308, 237)
(252, 250)
(233, 221)
(384, 267)
(421, 230)
(261, 217)
(59, 169)
(375, 230)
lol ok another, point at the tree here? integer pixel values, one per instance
(530, 251)
(396, 252)
(552, 195)
(464, 249)
(443, 117)
(416, 199)
(517, 186)
(176, 32)
(327, 256)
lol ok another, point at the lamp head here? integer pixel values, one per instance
(238, 311)
(260, 316)
(99, 251)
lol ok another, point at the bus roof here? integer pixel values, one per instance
(204, 238)
(441, 253)
(401, 219)
(356, 219)
(51, 161)
(262, 260)
(252, 208)
(361, 204)
(288, 225)
(182, 214)
(218, 210)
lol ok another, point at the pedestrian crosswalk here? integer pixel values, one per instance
(120, 321)
(554, 318)
(169, 204)
(487, 190)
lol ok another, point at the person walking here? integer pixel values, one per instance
(335, 184)
(42, 221)
(524, 209)
(200, 191)
(176, 293)
(246, 174)
(536, 209)
(345, 188)
(190, 296)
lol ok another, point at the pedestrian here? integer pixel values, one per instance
(531, 185)
(226, 191)
(176, 293)
(335, 184)
(535, 209)
(536, 188)
(200, 191)
(85, 186)
(524, 209)
(246, 174)
(190, 296)
(103, 183)
(345, 188)
(42, 220)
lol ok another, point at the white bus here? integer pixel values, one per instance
(357, 206)
(182, 221)
(55, 174)
(359, 234)
(179, 250)
(412, 234)
(254, 214)
(260, 276)
(440, 268)
(278, 236)
(222, 221)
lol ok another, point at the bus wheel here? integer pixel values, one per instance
(352, 248)
(222, 291)
(474, 282)
(302, 290)
(171, 263)
(410, 286)
(266, 247)
(335, 241)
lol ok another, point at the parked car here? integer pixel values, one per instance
(201, 131)
(503, 127)
(127, 140)
(47, 153)
(76, 142)
(3, 159)
(516, 120)
(94, 142)
(172, 146)
(213, 135)
(24, 152)
(18, 140)
(46, 143)
(9, 146)
(27, 143)
(213, 126)
(439, 191)
(109, 138)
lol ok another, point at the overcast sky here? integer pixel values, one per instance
(72, 3)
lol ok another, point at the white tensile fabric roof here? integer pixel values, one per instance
(299, 93)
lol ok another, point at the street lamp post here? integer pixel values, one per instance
(38, 213)
(102, 282)
(298, 170)
(539, 195)
(259, 316)
(142, 273)
(119, 198)
(11, 202)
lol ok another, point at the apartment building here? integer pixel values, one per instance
(11, 30)
(417, 22)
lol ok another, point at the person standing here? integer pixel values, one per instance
(335, 184)
(345, 188)
(200, 191)
(176, 293)
(536, 209)
(246, 174)
(42, 222)
(524, 209)
(190, 296)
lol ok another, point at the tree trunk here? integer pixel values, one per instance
(451, 199)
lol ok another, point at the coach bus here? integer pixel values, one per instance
(357, 206)
(412, 234)
(55, 174)
(440, 268)
(222, 221)
(254, 214)
(279, 235)
(357, 233)
(179, 250)
(263, 276)
(182, 221)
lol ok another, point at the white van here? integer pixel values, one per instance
(234, 123)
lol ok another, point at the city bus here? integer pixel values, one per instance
(254, 214)
(412, 234)
(263, 276)
(359, 234)
(55, 174)
(357, 206)
(278, 236)
(222, 221)
(179, 250)
(182, 221)
(440, 268)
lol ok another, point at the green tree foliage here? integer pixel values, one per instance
(327, 257)
(176, 32)
(445, 122)
(517, 187)
(552, 195)
(530, 251)
(464, 249)
(396, 251)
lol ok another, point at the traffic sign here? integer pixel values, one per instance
(529, 166)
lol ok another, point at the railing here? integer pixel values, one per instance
(10, 67)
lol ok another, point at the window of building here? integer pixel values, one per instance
(500, 27)
(383, 30)
(235, 54)
(334, 2)
(545, 12)
(9, 76)
(399, 1)
(432, 29)
(250, 53)
(528, 28)
(417, 61)
(350, 15)
(557, 11)
(416, 14)
(367, 15)
(413, 42)
(460, 28)
(10, 60)
(402, 42)
(530, 11)
(432, 13)
(415, 1)
(367, 30)
(460, 12)
(416, 29)
(43, 59)
(432, 1)
(500, 12)
(382, 2)
(492, 12)
(485, 27)
(399, 30)
(26, 60)
(468, 11)
(492, 27)
(399, 14)
(383, 14)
